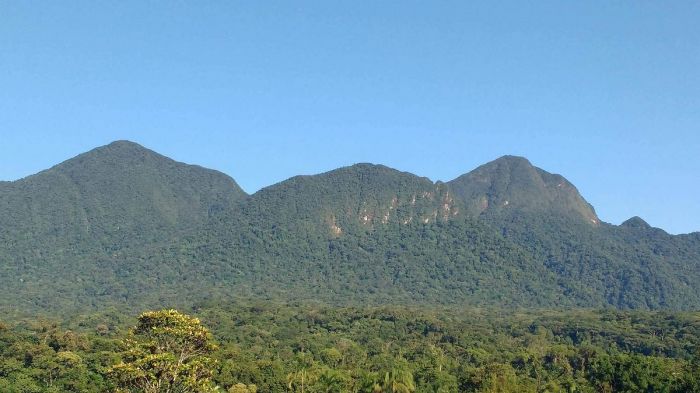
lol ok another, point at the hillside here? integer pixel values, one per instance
(371, 233)
(86, 226)
(121, 225)
(599, 263)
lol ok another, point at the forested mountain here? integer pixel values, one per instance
(371, 233)
(121, 190)
(89, 226)
(630, 266)
(124, 225)
(513, 184)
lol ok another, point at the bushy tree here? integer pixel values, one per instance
(166, 352)
(242, 388)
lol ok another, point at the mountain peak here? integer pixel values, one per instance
(122, 187)
(636, 222)
(121, 155)
(361, 195)
(512, 160)
(367, 169)
(512, 183)
(123, 147)
(126, 162)
(124, 143)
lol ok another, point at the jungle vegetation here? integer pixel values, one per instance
(272, 347)
(124, 226)
(361, 279)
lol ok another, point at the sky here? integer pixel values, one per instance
(605, 93)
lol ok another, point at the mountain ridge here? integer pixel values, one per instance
(121, 224)
(506, 157)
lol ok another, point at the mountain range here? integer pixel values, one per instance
(126, 227)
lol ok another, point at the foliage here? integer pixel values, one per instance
(124, 227)
(270, 347)
(166, 352)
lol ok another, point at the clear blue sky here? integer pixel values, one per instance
(606, 93)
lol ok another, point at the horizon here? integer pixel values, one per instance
(604, 93)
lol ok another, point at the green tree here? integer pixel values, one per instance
(331, 381)
(167, 352)
(242, 388)
(300, 379)
(398, 380)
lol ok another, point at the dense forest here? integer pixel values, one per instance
(254, 346)
(502, 280)
(126, 227)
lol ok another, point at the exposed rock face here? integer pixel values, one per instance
(360, 196)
